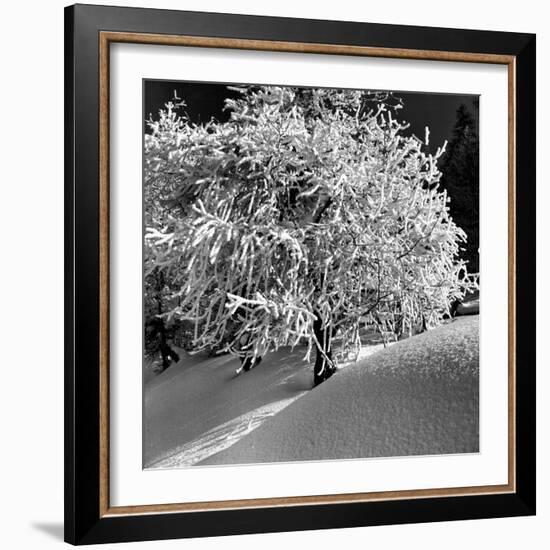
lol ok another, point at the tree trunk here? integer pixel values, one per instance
(324, 367)
(248, 363)
(167, 353)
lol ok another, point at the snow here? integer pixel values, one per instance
(419, 396)
(416, 397)
(200, 406)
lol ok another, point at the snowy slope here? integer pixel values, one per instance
(420, 396)
(199, 406)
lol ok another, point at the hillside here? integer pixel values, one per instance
(418, 396)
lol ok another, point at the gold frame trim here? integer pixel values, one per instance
(105, 39)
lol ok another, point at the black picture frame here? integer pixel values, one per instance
(87, 520)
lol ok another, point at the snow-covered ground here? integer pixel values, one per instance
(201, 406)
(418, 396)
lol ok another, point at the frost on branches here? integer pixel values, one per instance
(306, 216)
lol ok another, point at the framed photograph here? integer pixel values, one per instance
(300, 274)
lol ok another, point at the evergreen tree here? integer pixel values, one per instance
(460, 177)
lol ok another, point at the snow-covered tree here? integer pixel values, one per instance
(306, 215)
(158, 281)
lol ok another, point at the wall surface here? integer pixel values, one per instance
(31, 216)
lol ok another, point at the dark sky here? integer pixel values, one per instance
(206, 100)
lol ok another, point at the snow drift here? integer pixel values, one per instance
(417, 397)
(200, 406)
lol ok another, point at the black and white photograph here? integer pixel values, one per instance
(274, 275)
(311, 274)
